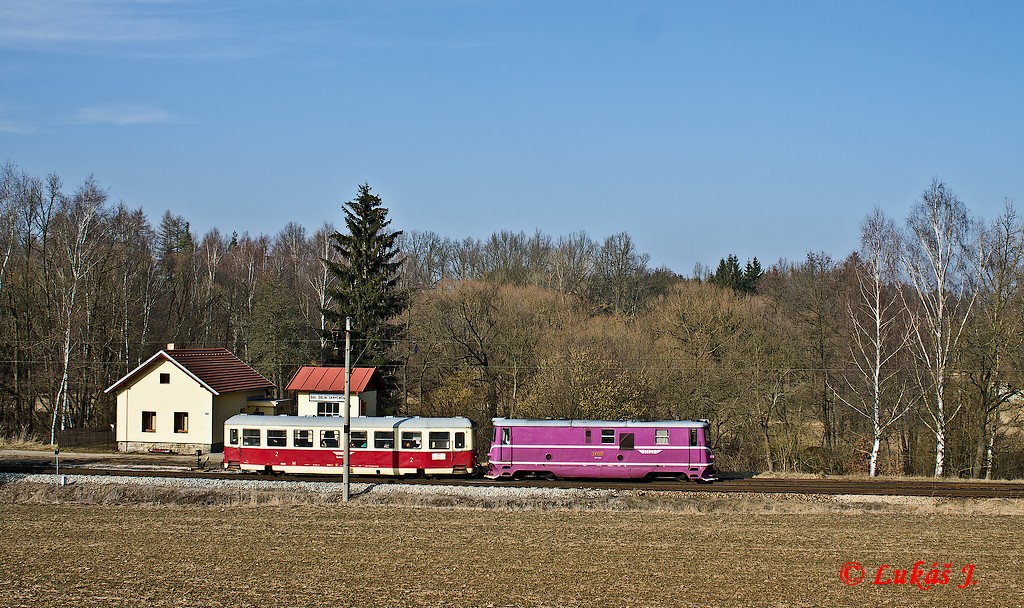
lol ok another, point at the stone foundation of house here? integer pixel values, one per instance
(167, 447)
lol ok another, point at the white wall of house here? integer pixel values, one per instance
(229, 404)
(180, 394)
(363, 404)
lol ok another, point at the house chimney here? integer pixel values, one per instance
(170, 346)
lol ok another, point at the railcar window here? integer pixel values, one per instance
(383, 440)
(607, 435)
(439, 440)
(661, 436)
(588, 435)
(460, 441)
(357, 439)
(251, 437)
(302, 438)
(277, 438)
(329, 439)
(233, 436)
(693, 436)
(412, 440)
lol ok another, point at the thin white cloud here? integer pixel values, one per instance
(7, 126)
(149, 28)
(124, 114)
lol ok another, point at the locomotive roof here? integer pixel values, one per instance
(358, 422)
(601, 423)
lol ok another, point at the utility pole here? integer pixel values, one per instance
(348, 408)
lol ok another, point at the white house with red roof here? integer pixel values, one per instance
(178, 400)
(320, 391)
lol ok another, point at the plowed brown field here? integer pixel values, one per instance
(91, 555)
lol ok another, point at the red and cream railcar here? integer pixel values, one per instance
(379, 446)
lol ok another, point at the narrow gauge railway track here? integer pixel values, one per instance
(938, 489)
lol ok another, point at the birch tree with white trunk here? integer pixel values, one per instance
(936, 258)
(876, 391)
(76, 249)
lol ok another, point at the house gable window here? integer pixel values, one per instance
(328, 408)
(165, 378)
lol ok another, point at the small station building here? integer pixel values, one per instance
(320, 390)
(179, 399)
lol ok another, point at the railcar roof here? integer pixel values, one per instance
(358, 422)
(601, 423)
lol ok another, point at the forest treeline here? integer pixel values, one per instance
(900, 358)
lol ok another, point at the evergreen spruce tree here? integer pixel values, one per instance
(751, 275)
(728, 273)
(366, 286)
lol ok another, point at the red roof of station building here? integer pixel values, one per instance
(216, 369)
(315, 379)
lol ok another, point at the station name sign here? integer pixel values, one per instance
(327, 396)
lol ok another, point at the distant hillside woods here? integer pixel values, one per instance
(901, 357)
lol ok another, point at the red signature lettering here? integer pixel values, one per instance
(920, 576)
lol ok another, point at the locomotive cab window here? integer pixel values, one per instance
(302, 438)
(251, 437)
(661, 436)
(460, 441)
(439, 440)
(233, 436)
(383, 440)
(329, 439)
(607, 435)
(357, 439)
(506, 436)
(277, 438)
(412, 440)
(693, 436)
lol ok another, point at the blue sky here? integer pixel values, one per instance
(762, 129)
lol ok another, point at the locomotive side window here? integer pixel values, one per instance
(412, 440)
(302, 438)
(277, 438)
(251, 437)
(588, 435)
(506, 436)
(460, 441)
(357, 439)
(607, 435)
(625, 441)
(661, 436)
(329, 439)
(693, 436)
(439, 440)
(383, 440)
(233, 436)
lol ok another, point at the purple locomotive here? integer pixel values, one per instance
(619, 449)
